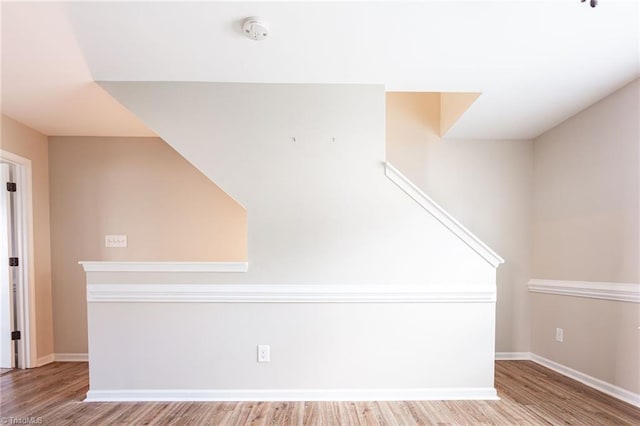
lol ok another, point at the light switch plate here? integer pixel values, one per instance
(115, 240)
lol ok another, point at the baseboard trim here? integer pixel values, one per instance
(597, 384)
(44, 360)
(71, 357)
(292, 394)
(513, 356)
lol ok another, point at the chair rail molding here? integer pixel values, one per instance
(620, 292)
(442, 216)
(289, 293)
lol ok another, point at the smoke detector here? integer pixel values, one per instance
(255, 29)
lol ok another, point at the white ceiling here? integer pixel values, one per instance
(535, 62)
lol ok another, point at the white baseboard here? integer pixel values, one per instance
(597, 384)
(349, 394)
(292, 394)
(44, 360)
(71, 357)
(513, 356)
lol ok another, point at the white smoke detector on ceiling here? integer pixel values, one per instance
(255, 29)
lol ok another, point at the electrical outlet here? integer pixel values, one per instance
(115, 240)
(559, 335)
(264, 353)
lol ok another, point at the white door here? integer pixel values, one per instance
(6, 294)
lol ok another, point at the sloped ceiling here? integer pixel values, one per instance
(536, 63)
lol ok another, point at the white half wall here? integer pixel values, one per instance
(199, 342)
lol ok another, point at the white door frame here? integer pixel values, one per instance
(27, 354)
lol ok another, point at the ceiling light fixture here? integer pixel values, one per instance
(255, 29)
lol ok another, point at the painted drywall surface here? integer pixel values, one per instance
(134, 186)
(320, 211)
(601, 337)
(320, 208)
(452, 106)
(486, 185)
(586, 194)
(27, 143)
(327, 346)
(586, 228)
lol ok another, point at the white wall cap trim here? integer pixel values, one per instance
(605, 387)
(90, 266)
(442, 216)
(292, 394)
(621, 292)
(289, 293)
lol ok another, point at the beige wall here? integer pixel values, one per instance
(25, 142)
(484, 184)
(586, 194)
(135, 186)
(586, 228)
(601, 337)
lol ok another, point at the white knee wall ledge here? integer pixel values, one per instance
(99, 266)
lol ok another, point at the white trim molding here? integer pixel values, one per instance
(292, 394)
(25, 291)
(44, 360)
(600, 385)
(288, 293)
(620, 292)
(164, 266)
(513, 356)
(442, 216)
(71, 357)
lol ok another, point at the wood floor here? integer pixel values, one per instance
(530, 395)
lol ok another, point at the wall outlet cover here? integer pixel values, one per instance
(264, 353)
(115, 241)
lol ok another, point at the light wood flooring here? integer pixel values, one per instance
(530, 395)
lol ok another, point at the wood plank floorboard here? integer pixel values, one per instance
(530, 395)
